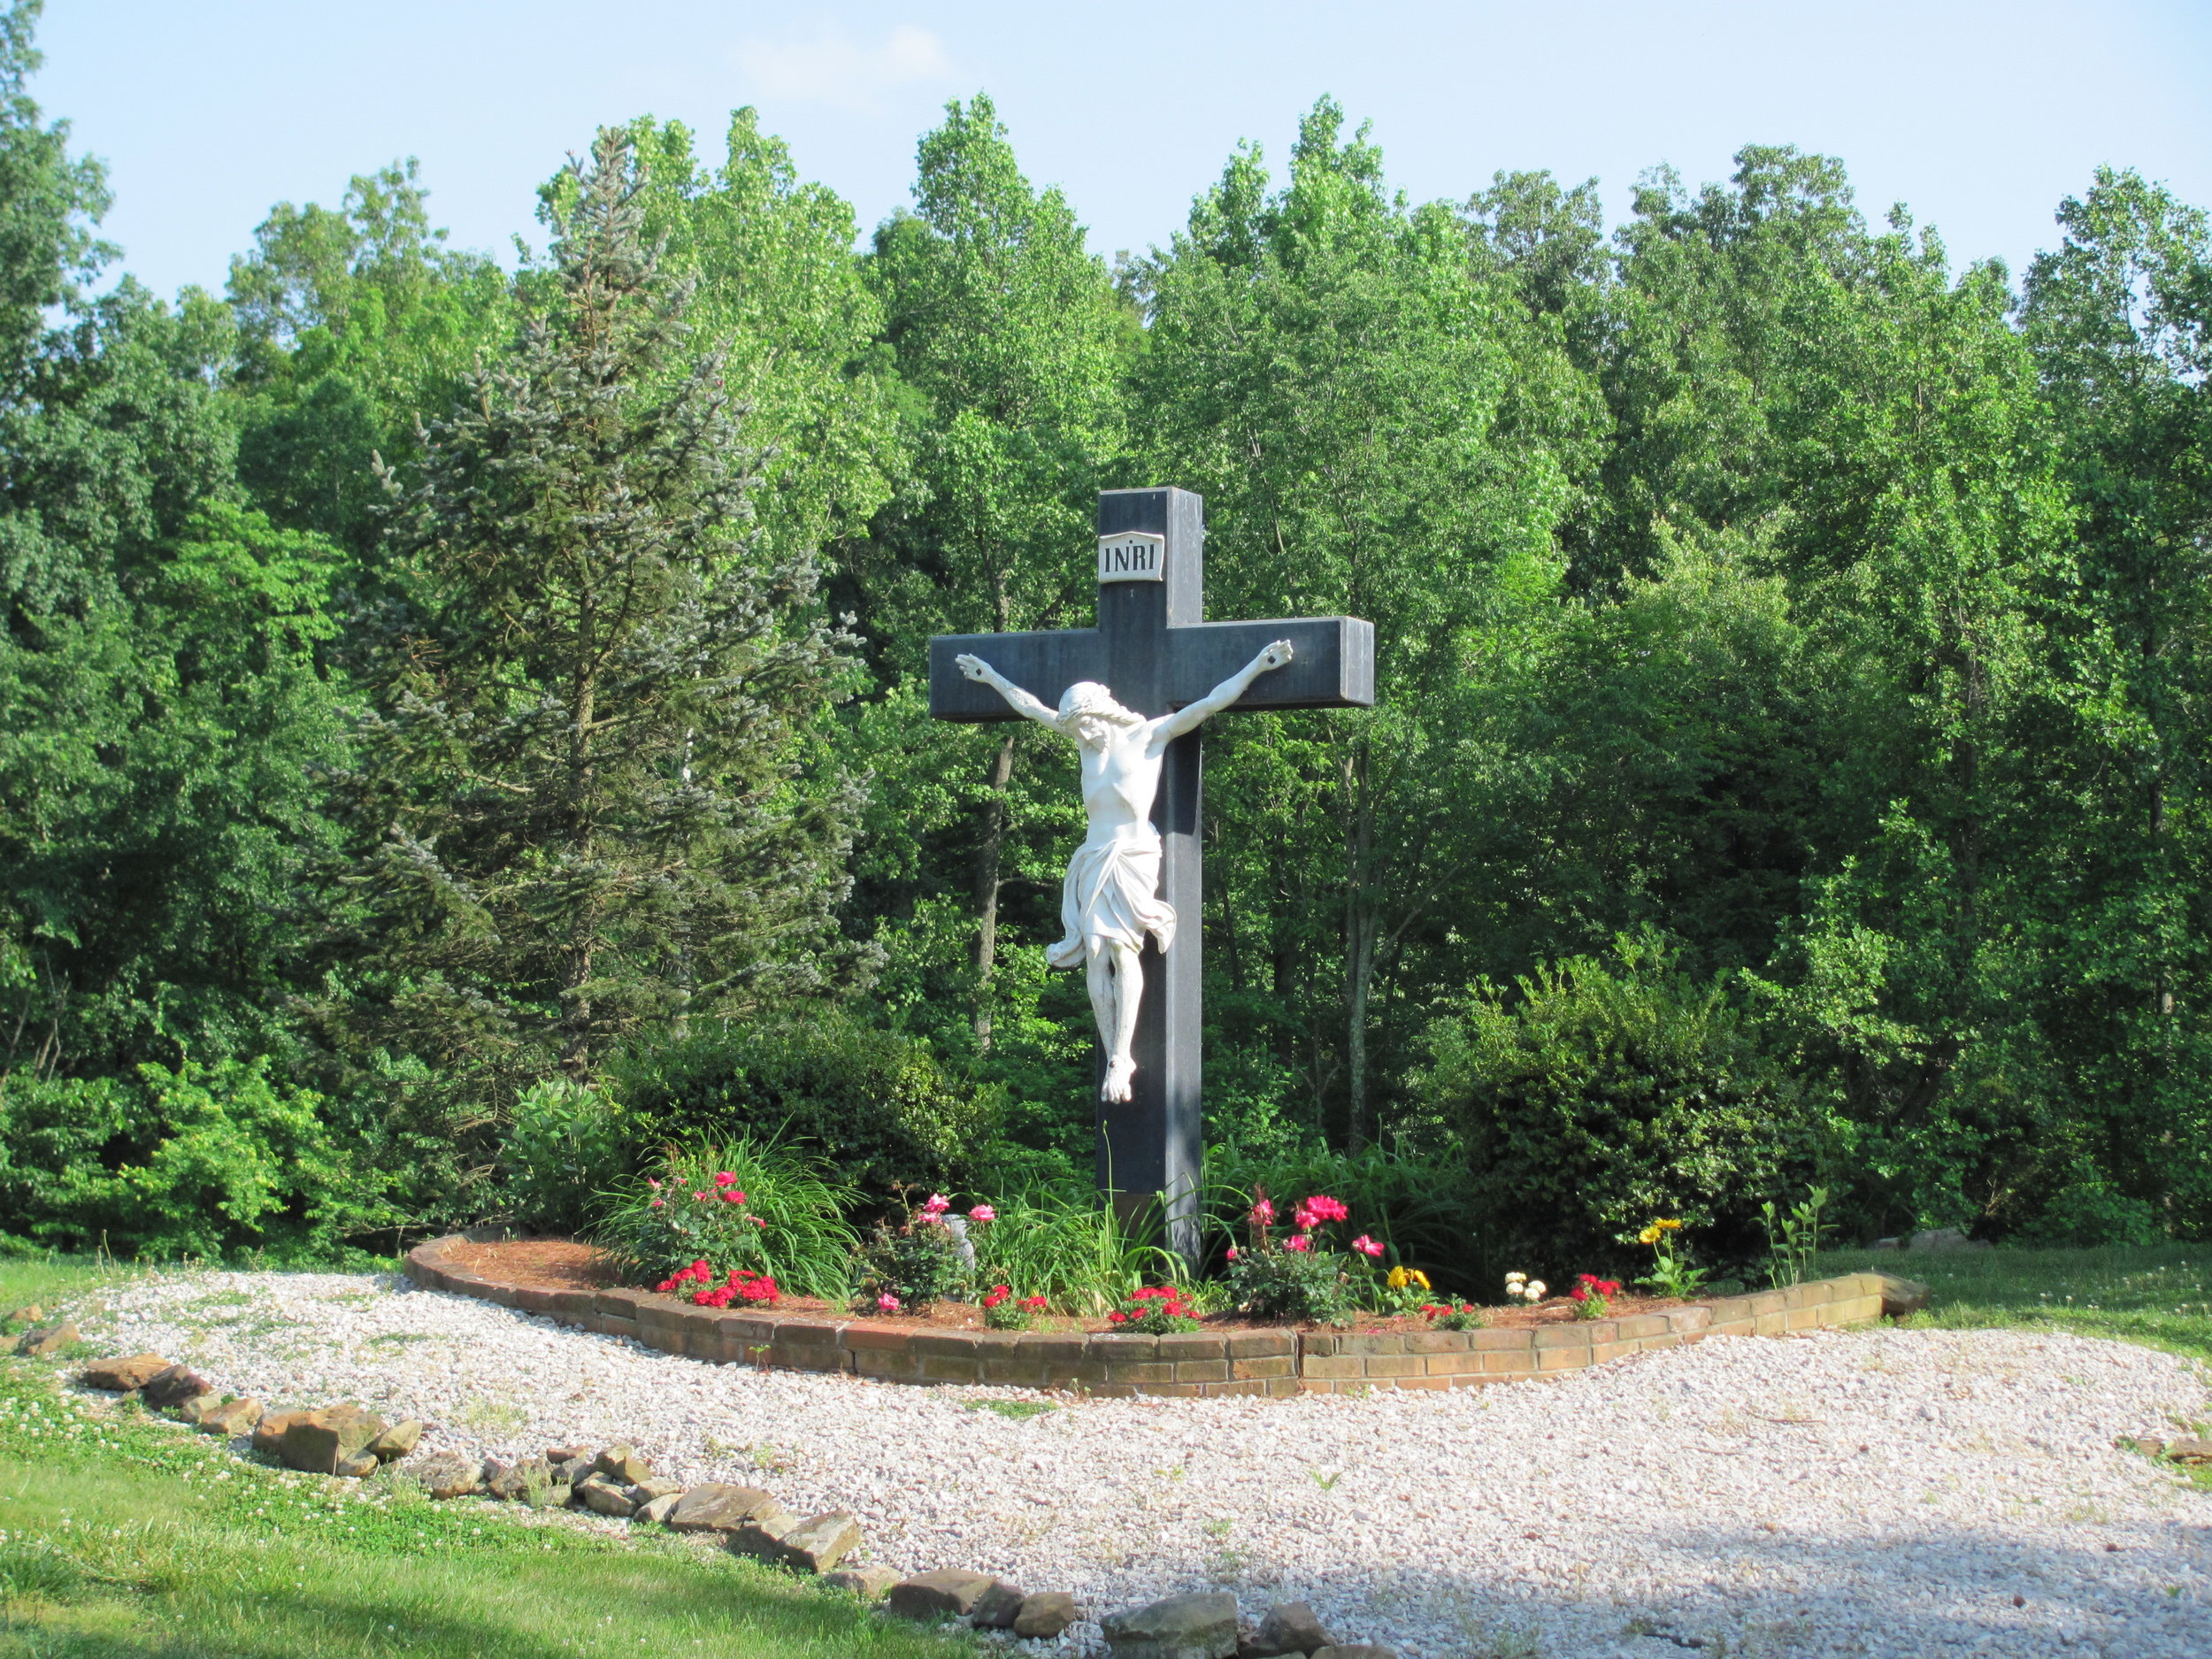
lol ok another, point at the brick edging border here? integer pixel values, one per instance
(1266, 1361)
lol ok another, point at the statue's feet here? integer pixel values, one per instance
(1118, 1075)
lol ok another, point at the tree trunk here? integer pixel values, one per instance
(1359, 942)
(986, 886)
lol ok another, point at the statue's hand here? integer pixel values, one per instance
(973, 667)
(1276, 656)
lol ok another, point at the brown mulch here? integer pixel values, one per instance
(566, 1264)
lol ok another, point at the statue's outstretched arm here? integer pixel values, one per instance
(1191, 716)
(1017, 699)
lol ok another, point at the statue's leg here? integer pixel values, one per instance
(1098, 978)
(1121, 1062)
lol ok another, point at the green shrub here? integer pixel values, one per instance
(790, 1225)
(906, 1267)
(566, 1142)
(201, 1161)
(1601, 1094)
(876, 1106)
(1422, 1207)
(2088, 1216)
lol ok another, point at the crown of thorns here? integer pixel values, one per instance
(1087, 696)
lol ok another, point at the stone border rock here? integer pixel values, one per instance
(1201, 1363)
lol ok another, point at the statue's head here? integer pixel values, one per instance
(1086, 709)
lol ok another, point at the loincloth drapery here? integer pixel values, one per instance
(1112, 896)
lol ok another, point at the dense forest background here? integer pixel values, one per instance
(461, 724)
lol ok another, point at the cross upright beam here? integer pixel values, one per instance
(1154, 648)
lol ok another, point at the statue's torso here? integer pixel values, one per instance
(1118, 784)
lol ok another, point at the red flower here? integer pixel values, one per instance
(1032, 1304)
(1298, 1241)
(999, 1293)
(1116, 1318)
(1327, 1209)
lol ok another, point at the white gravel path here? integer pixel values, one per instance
(1868, 1493)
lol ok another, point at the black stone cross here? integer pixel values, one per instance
(1153, 650)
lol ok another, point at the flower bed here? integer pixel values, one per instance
(1219, 1358)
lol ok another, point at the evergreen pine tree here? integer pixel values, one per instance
(594, 771)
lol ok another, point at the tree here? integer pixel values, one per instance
(353, 324)
(1009, 341)
(594, 768)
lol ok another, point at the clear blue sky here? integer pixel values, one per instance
(1979, 116)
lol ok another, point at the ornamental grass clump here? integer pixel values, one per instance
(1297, 1276)
(758, 1211)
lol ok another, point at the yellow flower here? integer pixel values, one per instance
(1397, 1280)
(1400, 1277)
(1419, 1278)
(1649, 1235)
(1666, 1226)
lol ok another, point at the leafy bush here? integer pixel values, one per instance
(1296, 1278)
(876, 1106)
(2089, 1215)
(201, 1161)
(789, 1224)
(1421, 1207)
(907, 1267)
(1603, 1093)
(565, 1143)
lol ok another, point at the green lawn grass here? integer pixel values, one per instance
(2160, 1295)
(122, 1535)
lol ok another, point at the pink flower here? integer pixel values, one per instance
(660, 1204)
(757, 1222)
(1232, 1252)
(650, 1182)
(983, 1212)
(1298, 1241)
(702, 1197)
(724, 1177)
(1326, 1209)
(887, 1302)
(1366, 1245)
(1304, 1217)
(1262, 1214)
(937, 1205)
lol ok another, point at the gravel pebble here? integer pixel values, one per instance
(1848, 1493)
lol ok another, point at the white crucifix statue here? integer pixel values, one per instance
(1131, 694)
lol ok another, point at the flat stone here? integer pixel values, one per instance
(30, 1315)
(655, 1510)
(1356, 1650)
(509, 1480)
(622, 1465)
(358, 1467)
(47, 1340)
(1288, 1627)
(652, 1491)
(122, 1375)
(448, 1475)
(317, 1441)
(231, 1418)
(601, 1496)
(996, 1607)
(197, 1407)
(1199, 1626)
(815, 1545)
(2189, 1449)
(717, 1507)
(868, 1583)
(762, 1536)
(566, 1453)
(570, 1472)
(173, 1386)
(396, 1441)
(934, 1594)
(1045, 1614)
(268, 1433)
